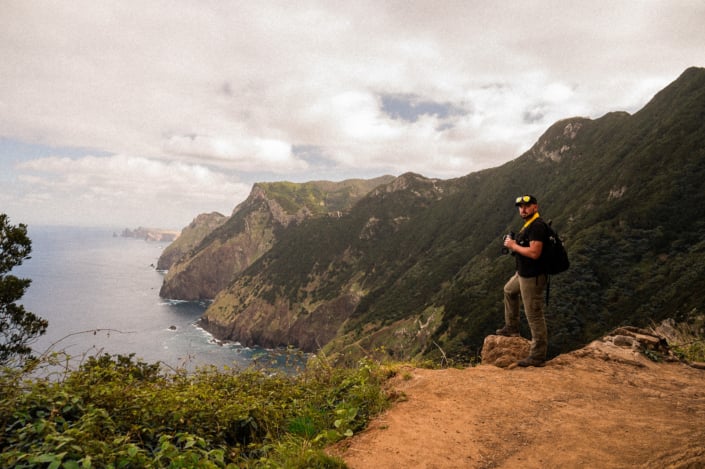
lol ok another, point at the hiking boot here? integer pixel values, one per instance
(508, 331)
(528, 361)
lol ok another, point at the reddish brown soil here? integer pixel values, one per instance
(597, 407)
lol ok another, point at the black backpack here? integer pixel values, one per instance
(554, 255)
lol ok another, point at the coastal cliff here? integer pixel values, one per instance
(310, 284)
(234, 243)
(191, 237)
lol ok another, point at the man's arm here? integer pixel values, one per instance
(533, 251)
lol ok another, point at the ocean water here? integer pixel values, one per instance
(100, 294)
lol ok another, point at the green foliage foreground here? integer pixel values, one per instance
(115, 411)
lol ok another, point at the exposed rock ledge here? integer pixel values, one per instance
(626, 344)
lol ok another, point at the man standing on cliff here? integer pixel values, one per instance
(529, 281)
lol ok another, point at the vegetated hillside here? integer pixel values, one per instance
(191, 236)
(414, 268)
(222, 248)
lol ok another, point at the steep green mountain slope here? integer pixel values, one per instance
(191, 236)
(213, 251)
(414, 268)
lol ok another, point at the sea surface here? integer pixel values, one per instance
(100, 294)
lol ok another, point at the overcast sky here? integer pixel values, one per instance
(128, 113)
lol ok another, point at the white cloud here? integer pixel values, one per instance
(116, 189)
(239, 85)
(254, 154)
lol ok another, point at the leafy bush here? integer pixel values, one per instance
(115, 411)
(687, 339)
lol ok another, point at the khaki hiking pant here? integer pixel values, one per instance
(530, 290)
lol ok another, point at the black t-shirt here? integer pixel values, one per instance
(537, 231)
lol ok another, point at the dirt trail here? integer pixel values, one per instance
(596, 407)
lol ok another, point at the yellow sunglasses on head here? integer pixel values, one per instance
(525, 199)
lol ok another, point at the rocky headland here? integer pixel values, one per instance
(151, 234)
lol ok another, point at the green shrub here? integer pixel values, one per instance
(686, 338)
(115, 411)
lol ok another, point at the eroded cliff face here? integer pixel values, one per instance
(203, 268)
(280, 323)
(190, 237)
(306, 290)
(224, 252)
